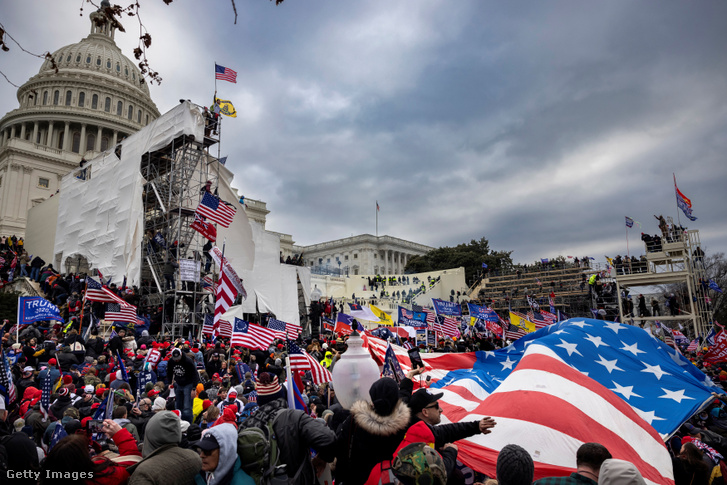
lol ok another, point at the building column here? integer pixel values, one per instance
(11, 204)
(2, 143)
(24, 201)
(116, 134)
(97, 148)
(22, 131)
(12, 131)
(35, 132)
(67, 138)
(49, 136)
(82, 146)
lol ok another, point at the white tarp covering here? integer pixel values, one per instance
(271, 286)
(304, 275)
(102, 218)
(240, 247)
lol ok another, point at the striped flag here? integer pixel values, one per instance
(208, 284)
(224, 329)
(284, 330)
(225, 74)
(548, 317)
(6, 380)
(216, 210)
(95, 291)
(301, 360)
(120, 313)
(448, 326)
(208, 327)
(538, 320)
(431, 316)
(251, 336)
(225, 296)
(693, 346)
(514, 332)
(544, 399)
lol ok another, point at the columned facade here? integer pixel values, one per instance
(361, 255)
(95, 99)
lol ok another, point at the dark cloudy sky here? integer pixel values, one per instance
(537, 124)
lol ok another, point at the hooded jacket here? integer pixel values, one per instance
(164, 462)
(228, 469)
(619, 472)
(367, 438)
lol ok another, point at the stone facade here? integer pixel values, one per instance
(96, 99)
(362, 255)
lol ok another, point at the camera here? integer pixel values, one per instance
(95, 426)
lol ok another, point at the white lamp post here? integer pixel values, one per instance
(354, 373)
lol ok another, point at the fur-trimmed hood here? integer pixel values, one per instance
(364, 415)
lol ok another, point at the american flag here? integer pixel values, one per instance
(119, 313)
(208, 284)
(431, 316)
(538, 319)
(95, 291)
(551, 397)
(284, 330)
(225, 74)
(251, 336)
(224, 329)
(514, 332)
(300, 360)
(679, 337)
(693, 346)
(216, 210)
(224, 297)
(448, 326)
(549, 317)
(6, 380)
(208, 327)
(58, 434)
(251, 396)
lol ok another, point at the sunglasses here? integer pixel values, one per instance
(205, 452)
(435, 405)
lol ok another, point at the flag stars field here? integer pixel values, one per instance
(633, 348)
(655, 369)
(508, 364)
(626, 391)
(569, 347)
(597, 341)
(610, 365)
(678, 396)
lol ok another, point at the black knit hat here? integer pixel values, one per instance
(384, 395)
(514, 466)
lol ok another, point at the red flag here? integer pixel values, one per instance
(718, 351)
(204, 228)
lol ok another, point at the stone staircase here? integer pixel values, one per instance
(23, 286)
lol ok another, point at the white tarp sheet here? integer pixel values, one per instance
(101, 218)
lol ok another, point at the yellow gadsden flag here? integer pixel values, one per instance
(520, 320)
(383, 316)
(226, 108)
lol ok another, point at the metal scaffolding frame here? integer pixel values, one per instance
(676, 263)
(175, 176)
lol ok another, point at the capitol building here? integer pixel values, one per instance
(96, 98)
(92, 99)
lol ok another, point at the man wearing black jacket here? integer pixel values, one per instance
(186, 378)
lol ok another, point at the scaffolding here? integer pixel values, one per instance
(677, 261)
(175, 178)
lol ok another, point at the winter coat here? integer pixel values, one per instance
(296, 433)
(59, 407)
(366, 438)
(128, 455)
(164, 461)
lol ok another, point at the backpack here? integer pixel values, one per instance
(260, 455)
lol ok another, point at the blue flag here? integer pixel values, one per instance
(714, 286)
(34, 308)
(391, 366)
(411, 318)
(660, 384)
(122, 367)
(446, 307)
(484, 265)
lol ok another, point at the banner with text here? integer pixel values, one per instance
(446, 307)
(411, 318)
(35, 308)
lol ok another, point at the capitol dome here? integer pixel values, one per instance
(92, 98)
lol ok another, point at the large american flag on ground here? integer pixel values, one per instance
(216, 210)
(284, 330)
(120, 313)
(95, 291)
(251, 336)
(545, 400)
(224, 297)
(6, 379)
(301, 360)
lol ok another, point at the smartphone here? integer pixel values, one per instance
(415, 358)
(95, 426)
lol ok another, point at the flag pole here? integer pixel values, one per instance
(17, 323)
(628, 253)
(377, 218)
(679, 219)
